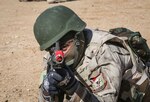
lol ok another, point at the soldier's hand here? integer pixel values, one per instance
(60, 79)
(50, 83)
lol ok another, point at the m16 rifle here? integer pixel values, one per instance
(56, 63)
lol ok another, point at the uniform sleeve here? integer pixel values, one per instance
(112, 61)
(45, 65)
(45, 60)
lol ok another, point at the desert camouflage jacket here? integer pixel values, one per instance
(111, 70)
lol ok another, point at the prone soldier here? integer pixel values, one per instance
(92, 65)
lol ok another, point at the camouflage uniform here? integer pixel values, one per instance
(110, 69)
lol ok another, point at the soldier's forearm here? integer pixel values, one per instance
(85, 95)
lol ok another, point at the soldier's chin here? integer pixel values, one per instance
(69, 57)
(69, 62)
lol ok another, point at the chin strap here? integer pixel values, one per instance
(77, 42)
(79, 48)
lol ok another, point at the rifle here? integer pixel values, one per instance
(56, 61)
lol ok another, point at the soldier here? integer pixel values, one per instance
(85, 65)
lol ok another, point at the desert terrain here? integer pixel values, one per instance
(20, 57)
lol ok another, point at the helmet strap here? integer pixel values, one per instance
(79, 49)
(77, 42)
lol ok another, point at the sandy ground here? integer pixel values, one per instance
(20, 57)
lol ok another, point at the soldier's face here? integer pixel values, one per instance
(66, 47)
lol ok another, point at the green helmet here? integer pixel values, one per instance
(54, 23)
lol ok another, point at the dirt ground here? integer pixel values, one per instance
(20, 57)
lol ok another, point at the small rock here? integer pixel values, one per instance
(6, 43)
(16, 36)
(6, 101)
(28, 89)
